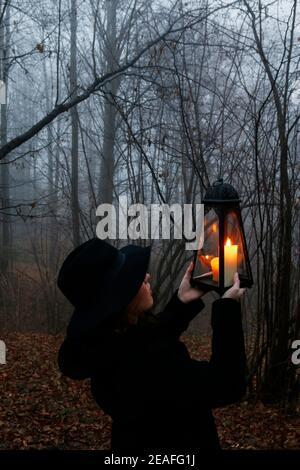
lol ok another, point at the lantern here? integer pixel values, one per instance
(224, 250)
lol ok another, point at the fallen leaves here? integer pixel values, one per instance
(249, 425)
(41, 409)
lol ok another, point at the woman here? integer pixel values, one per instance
(141, 373)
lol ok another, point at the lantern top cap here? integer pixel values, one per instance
(221, 192)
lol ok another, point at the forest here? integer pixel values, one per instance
(155, 101)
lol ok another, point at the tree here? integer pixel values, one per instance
(106, 181)
(5, 239)
(74, 121)
(277, 371)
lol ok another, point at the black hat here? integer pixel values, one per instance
(100, 281)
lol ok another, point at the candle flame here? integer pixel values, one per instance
(206, 256)
(228, 242)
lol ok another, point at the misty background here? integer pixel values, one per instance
(155, 101)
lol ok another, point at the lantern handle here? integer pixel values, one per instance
(219, 181)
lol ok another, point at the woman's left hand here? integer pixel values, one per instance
(187, 293)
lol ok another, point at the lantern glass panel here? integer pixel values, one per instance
(224, 251)
(234, 258)
(209, 250)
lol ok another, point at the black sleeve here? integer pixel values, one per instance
(222, 380)
(228, 359)
(177, 315)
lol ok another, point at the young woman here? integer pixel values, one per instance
(141, 374)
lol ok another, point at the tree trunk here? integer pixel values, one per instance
(278, 370)
(5, 252)
(109, 119)
(74, 123)
(50, 178)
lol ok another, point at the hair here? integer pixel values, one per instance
(129, 316)
(119, 322)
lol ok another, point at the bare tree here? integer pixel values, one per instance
(109, 117)
(74, 123)
(5, 239)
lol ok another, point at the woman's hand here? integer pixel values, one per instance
(235, 292)
(187, 293)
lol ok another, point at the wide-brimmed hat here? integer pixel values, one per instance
(100, 281)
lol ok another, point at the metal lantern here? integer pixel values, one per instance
(224, 250)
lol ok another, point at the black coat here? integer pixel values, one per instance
(160, 398)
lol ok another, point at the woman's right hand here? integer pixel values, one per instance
(235, 292)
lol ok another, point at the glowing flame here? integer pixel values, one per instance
(228, 242)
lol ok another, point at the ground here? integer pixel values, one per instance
(40, 409)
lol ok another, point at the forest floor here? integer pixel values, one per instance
(40, 409)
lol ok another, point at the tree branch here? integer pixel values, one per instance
(98, 83)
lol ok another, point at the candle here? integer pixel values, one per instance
(215, 268)
(230, 262)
